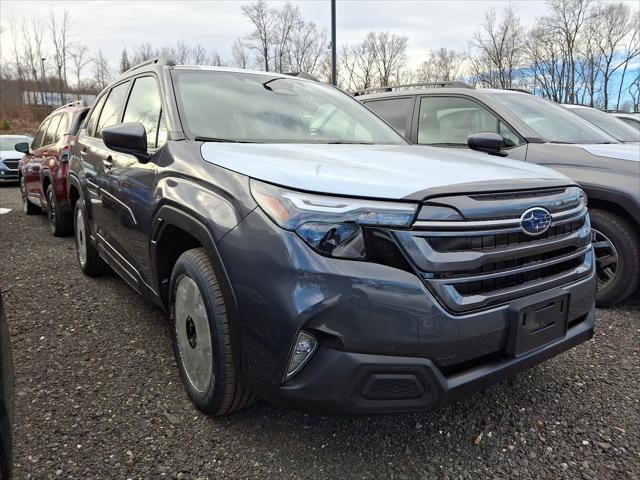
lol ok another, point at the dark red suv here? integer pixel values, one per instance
(43, 169)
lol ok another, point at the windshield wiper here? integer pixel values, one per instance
(220, 140)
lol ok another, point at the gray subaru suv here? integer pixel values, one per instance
(307, 254)
(524, 127)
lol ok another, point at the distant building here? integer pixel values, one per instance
(55, 99)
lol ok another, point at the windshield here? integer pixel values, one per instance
(609, 124)
(246, 107)
(8, 142)
(550, 121)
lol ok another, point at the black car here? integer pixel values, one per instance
(521, 126)
(307, 254)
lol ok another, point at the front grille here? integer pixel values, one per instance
(12, 164)
(484, 262)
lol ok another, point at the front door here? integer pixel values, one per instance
(128, 186)
(448, 120)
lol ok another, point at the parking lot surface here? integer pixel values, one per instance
(98, 395)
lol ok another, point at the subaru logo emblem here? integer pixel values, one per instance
(535, 221)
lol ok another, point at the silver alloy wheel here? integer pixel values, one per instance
(81, 237)
(606, 258)
(192, 334)
(23, 194)
(51, 207)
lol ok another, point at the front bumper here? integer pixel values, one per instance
(336, 382)
(7, 175)
(368, 318)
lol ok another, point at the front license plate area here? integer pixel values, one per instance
(537, 324)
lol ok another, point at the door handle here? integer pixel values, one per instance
(107, 163)
(83, 153)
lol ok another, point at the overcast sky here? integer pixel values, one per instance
(112, 25)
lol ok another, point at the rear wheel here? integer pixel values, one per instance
(201, 339)
(59, 223)
(617, 253)
(27, 207)
(88, 258)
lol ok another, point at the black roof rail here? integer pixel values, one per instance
(304, 75)
(390, 88)
(521, 90)
(161, 60)
(77, 103)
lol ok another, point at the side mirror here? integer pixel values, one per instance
(22, 147)
(130, 138)
(488, 142)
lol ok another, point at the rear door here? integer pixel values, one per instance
(40, 159)
(448, 120)
(128, 185)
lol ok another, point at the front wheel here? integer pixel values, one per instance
(617, 253)
(201, 339)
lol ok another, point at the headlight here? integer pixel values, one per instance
(330, 225)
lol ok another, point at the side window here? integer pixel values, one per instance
(110, 114)
(50, 136)
(394, 111)
(145, 106)
(37, 141)
(93, 119)
(450, 120)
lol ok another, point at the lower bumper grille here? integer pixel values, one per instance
(11, 164)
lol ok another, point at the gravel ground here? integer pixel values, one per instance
(99, 396)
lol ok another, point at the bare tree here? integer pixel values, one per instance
(102, 72)
(265, 23)
(497, 49)
(565, 20)
(60, 29)
(358, 65)
(441, 65)
(240, 54)
(288, 19)
(80, 58)
(125, 63)
(199, 55)
(390, 55)
(306, 48)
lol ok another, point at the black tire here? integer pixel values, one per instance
(59, 222)
(619, 233)
(92, 265)
(222, 393)
(28, 207)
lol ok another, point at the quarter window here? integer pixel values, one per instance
(394, 111)
(110, 114)
(50, 136)
(145, 107)
(63, 127)
(448, 121)
(37, 142)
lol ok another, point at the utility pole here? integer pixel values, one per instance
(44, 98)
(334, 69)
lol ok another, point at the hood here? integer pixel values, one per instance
(379, 171)
(13, 154)
(618, 151)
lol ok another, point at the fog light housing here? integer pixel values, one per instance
(303, 349)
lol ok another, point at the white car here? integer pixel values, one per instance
(9, 157)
